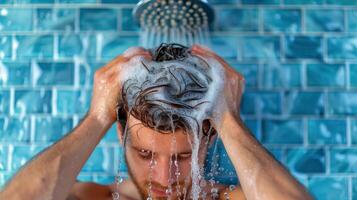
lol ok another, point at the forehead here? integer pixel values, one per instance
(146, 138)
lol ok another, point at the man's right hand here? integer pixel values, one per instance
(107, 86)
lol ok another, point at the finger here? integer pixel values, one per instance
(134, 51)
(121, 59)
(202, 48)
(128, 54)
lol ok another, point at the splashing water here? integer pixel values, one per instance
(152, 36)
(142, 77)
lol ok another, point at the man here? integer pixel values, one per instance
(149, 153)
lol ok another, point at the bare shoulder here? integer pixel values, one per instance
(89, 190)
(95, 191)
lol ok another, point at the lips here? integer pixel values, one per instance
(160, 192)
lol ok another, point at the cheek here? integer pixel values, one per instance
(138, 167)
(185, 168)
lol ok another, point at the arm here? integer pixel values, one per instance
(53, 172)
(260, 175)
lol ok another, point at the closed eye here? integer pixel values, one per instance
(184, 156)
(145, 154)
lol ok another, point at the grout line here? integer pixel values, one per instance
(77, 20)
(54, 102)
(261, 21)
(350, 188)
(55, 46)
(345, 20)
(304, 75)
(348, 132)
(119, 19)
(305, 132)
(348, 75)
(32, 132)
(326, 105)
(328, 160)
(303, 20)
(12, 101)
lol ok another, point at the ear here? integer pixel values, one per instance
(209, 131)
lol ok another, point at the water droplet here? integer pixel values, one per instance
(115, 195)
(232, 187)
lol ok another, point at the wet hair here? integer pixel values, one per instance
(174, 87)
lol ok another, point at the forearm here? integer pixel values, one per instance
(260, 175)
(53, 172)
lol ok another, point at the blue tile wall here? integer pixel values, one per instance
(279, 20)
(341, 47)
(305, 161)
(320, 185)
(33, 46)
(327, 131)
(57, 126)
(280, 76)
(304, 2)
(17, 73)
(4, 101)
(351, 23)
(343, 160)
(282, 132)
(353, 130)
(3, 154)
(55, 19)
(128, 23)
(92, 19)
(29, 101)
(35, 1)
(259, 47)
(5, 46)
(244, 20)
(325, 75)
(76, 45)
(304, 103)
(16, 19)
(342, 103)
(309, 47)
(341, 2)
(72, 101)
(15, 129)
(298, 58)
(50, 73)
(328, 20)
(354, 188)
(353, 75)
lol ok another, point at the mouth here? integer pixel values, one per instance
(160, 192)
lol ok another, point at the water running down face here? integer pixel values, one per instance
(169, 94)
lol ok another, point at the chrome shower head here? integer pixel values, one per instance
(167, 14)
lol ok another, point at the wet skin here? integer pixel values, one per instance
(53, 172)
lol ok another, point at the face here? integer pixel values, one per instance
(162, 161)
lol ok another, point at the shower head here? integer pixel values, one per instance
(168, 14)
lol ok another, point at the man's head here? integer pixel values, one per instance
(162, 103)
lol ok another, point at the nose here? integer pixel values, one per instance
(163, 172)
